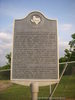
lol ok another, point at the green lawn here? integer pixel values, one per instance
(66, 89)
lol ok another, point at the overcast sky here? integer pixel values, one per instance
(62, 10)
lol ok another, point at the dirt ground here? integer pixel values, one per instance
(4, 85)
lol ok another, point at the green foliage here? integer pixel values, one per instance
(5, 67)
(72, 42)
(72, 58)
(62, 59)
(69, 54)
(8, 56)
(61, 67)
(5, 75)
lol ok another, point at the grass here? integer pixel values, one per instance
(66, 89)
(15, 92)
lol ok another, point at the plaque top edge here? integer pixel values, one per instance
(38, 13)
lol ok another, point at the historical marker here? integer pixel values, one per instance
(35, 50)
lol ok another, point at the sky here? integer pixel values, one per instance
(62, 10)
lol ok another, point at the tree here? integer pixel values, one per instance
(72, 47)
(62, 59)
(72, 42)
(8, 56)
(69, 54)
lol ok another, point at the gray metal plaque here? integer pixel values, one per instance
(35, 48)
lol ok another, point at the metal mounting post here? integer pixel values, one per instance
(34, 91)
